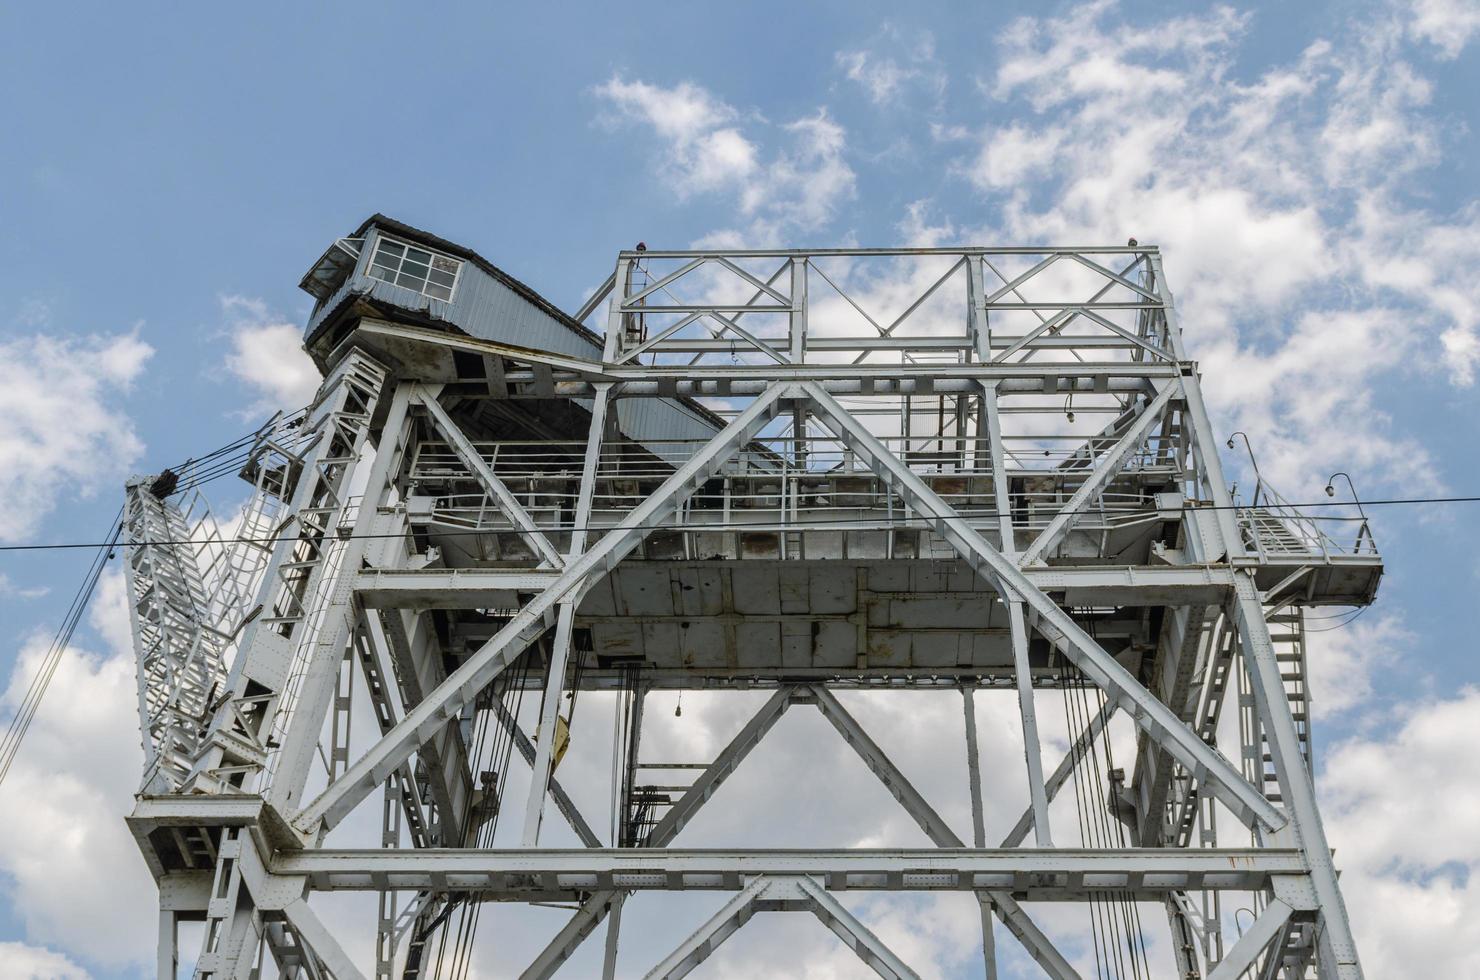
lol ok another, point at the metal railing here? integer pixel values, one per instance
(1274, 528)
(881, 306)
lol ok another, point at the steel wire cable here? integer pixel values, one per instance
(1115, 916)
(921, 522)
(1081, 796)
(502, 762)
(20, 722)
(1133, 907)
(1135, 937)
(484, 815)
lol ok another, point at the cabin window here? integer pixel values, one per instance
(404, 264)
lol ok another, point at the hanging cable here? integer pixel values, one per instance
(1117, 932)
(20, 723)
(1077, 769)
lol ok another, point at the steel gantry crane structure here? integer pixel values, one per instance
(786, 471)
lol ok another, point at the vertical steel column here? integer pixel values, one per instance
(978, 826)
(613, 936)
(1017, 623)
(1338, 957)
(257, 683)
(316, 688)
(1338, 948)
(539, 782)
(167, 951)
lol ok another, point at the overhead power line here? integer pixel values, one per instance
(975, 515)
(216, 463)
(20, 722)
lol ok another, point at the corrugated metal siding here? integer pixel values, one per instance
(486, 308)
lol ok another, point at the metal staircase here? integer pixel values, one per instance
(1287, 635)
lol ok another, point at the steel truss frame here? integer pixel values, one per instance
(245, 852)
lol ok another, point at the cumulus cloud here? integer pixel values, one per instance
(23, 962)
(266, 354)
(882, 76)
(1400, 809)
(1448, 24)
(798, 185)
(65, 433)
(1344, 661)
(1275, 200)
(65, 797)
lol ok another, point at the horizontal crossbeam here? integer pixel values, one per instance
(486, 663)
(1056, 625)
(690, 378)
(1036, 874)
(476, 588)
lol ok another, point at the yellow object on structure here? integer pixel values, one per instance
(562, 740)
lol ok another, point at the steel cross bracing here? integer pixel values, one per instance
(988, 470)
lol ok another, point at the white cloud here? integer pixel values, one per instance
(65, 434)
(880, 77)
(1449, 24)
(266, 353)
(795, 186)
(893, 67)
(24, 962)
(682, 113)
(9, 588)
(804, 186)
(1344, 661)
(1400, 811)
(885, 80)
(1275, 200)
(704, 152)
(72, 873)
(1013, 154)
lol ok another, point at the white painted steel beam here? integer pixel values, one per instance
(565, 942)
(1057, 626)
(544, 760)
(1245, 953)
(858, 937)
(1338, 948)
(935, 827)
(443, 704)
(725, 763)
(1061, 773)
(699, 792)
(481, 588)
(1044, 875)
(1106, 467)
(474, 461)
(320, 941)
(645, 379)
(782, 895)
(978, 826)
(697, 947)
(563, 802)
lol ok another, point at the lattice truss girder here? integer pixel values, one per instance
(344, 612)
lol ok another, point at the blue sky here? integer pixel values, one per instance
(166, 176)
